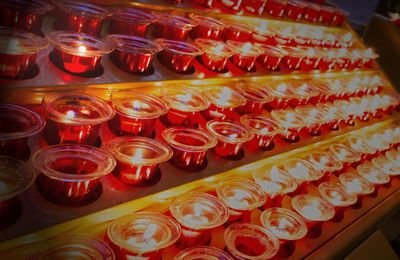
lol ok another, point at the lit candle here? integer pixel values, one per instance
(295, 9)
(346, 155)
(142, 235)
(245, 241)
(70, 174)
(136, 113)
(313, 118)
(373, 174)
(138, 159)
(386, 166)
(198, 213)
(256, 96)
(290, 122)
(325, 162)
(315, 211)
(282, 93)
(215, 54)
(368, 57)
(272, 57)
(131, 21)
(231, 138)
(78, 53)
(241, 196)
(286, 225)
(275, 8)
(237, 31)
(245, 55)
(74, 118)
(355, 184)
(173, 27)
(207, 28)
(303, 171)
(224, 102)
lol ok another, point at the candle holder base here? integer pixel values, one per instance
(191, 168)
(235, 157)
(189, 71)
(150, 70)
(24, 76)
(155, 177)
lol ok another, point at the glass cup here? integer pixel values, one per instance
(131, 21)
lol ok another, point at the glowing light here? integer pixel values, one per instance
(82, 49)
(247, 47)
(70, 114)
(218, 49)
(312, 210)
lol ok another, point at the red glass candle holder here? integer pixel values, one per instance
(290, 122)
(77, 53)
(74, 118)
(348, 111)
(327, 59)
(202, 252)
(339, 17)
(264, 128)
(256, 95)
(248, 241)
(275, 8)
(133, 54)
(276, 182)
(236, 31)
(18, 53)
(70, 174)
(131, 21)
(245, 55)
(359, 145)
(386, 166)
(346, 40)
(142, 235)
(315, 211)
(295, 9)
(303, 172)
(337, 89)
(231, 138)
(372, 174)
(310, 60)
(138, 159)
(241, 196)
(15, 178)
(70, 246)
(324, 161)
(272, 56)
(293, 57)
(173, 27)
(326, 14)
(197, 213)
(336, 194)
(375, 143)
(136, 113)
(305, 93)
(346, 155)
(356, 185)
(177, 55)
(254, 6)
(215, 54)
(80, 17)
(393, 156)
(224, 102)
(17, 124)
(185, 105)
(367, 58)
(24, 15)
(285, 225)
(282, 93)
(207, 28)
(343, 60)
(189, 147)
(311, 12)
(332, 115)
(330, 40)
(264, 34)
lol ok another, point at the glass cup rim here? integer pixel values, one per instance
(176, 20)
(167, 93)
(290, 182)
(261, 119)
(207, 21)
(313, 176)
(354, 155)
(350, 199)
(114, 230)
(246, 87)
(205, 252)
(301, 230)
(368, 188)
(33, 6)
(115, 145)
(62, 40)
(37, 123)
(238, 47)
(209, 143)
(247, 134)
(330, 168)
(117, 98)
(57, 116)
(10, 37)
(231, 233)
(378, 163)
(221, 210)
(172, 45)
(208, 46)
(213, 94)
(104, 160)
(326, 214)
(133, 15)
(305, 110)
(82, 8)
(133, 44)
(278, 116)
(366, 169)
(25, 176)
(258, 196)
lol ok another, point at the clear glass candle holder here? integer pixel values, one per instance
(70, 174)
(231, 138)
(356, 185)
(236, 31)
(276, 182)
(18, 53)
(373, 174)
(74, 118)
(303, 172)
(245, 55)
(133, 54)
(241, 196)
(207, 28)
(202, 252)
(359, 145)
(136, 113)
(325, 162)
(285, 225)
(346, 155)
(198, 213)
(78, 53)
(255, 94)
(15, 178)
(131, 21)
(81, 17)
(173, 27)
(315, 212)
(189, 147)
(335, 193)
(264, 128)
(224, 102)
(272, 57)
(332, 115)
(215, 54)
(305, 94)
(249, 241)
(290, 122)
(142, 235)
(71, 246)
(138, 159)
(314, 119)
(17, 125)
(386, 166)
(185, 104)
(282, 93)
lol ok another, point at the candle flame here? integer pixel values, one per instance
(82, 49)
(138, 156)
(284, 224)
(137, 105)
(150, 231)
(70, 114)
